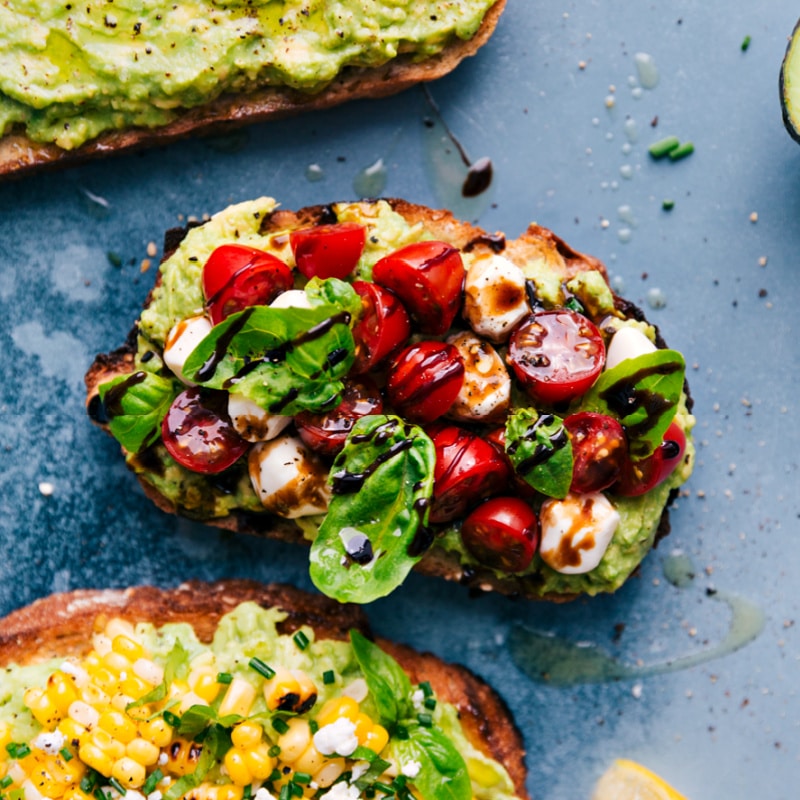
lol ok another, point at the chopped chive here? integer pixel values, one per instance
(383, 787)
(313, 726)
(173, 720)
(301, 640)
(328, 677)
(426, 688)
(668, 204)
(247, 792)
(115, 259)
(430, 703)
(88, 782)
(399, 782)
(369, 792)
(297, 789)
(261, 668)
(116, 785)
(286, 792)
(426, 720)
(745, 43)
(401, 732)
(99, 794)
(573, 304)
(302, 777)
(224, 678)
(18, 749)
(664, 147)
(280, 725)
(274, 751)
(686, 149)
(6, 782)
(151, 782)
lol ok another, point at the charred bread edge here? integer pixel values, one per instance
(19, 154)
(62, 624)
(436, 563)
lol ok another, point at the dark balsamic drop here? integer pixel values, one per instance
(479, 178)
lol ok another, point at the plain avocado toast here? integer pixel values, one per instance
(402, 390)
(237, 690)
(87, 79)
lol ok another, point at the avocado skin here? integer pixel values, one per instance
(791, 119)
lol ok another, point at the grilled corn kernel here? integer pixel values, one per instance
(83, 714)
(330, 772)
(203, 682)
(107, 743)
(42, 707)
(483, 774)
(229, 791)
(93, 695)
(75, 793)
(290, 691)
(237, 768)
(294, 742)
(259, 762)
(182, 757)
(61, 691)
(337, 707)
(94, 757)
(128, 772)
(238, 699)
(118, 724)
(134, 686)
(376, 739)
(128, 647)
(156, 731)
(117, 626)
(142, 751)
(5, 734)
(311, 761)
(247, 735)
(67, 772)
(73, 732)
(104, 678)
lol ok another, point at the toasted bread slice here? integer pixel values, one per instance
(535, 245)
(62, 625)
(19, 154)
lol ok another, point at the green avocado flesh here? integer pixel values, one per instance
(74, 70)
(248, 632)
(790, 85)
(179, 296)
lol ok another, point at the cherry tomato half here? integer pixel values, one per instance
(424, 380)
(326, 433)
(556, 355)
(328, 251)
(639, 477)
(236, 277)
(428, 278)
(599, 450)
(383, 328)
(502, 533)
(198, 433)
(467, 469)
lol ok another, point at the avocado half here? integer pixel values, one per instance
(790, 84)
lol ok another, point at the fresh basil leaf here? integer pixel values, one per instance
(197, 718)
(375, 528)
(443, 773)
(540, 450)
(643, 394)
(214, 747)
(176, 667)
(387, 681)
(285, 359)
(334, 292)
(135, 404)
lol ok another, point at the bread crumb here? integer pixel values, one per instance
(762, 262)
(151, 249)
(581, 65)
(754, 216)
(46, 488)
(145, 265)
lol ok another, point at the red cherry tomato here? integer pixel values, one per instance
(639, 477)
(556, 355)
(383, 328)
(198, 433)
(428, 278)
(326, 433)
(424, 380)
(236, 277)
(599, 450)
(502, 533)
(467, 469)
(328, 251)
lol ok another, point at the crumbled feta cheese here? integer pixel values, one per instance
(418, 699)
(342, 791)
(156, 795)
(163, 759)
(339, 737)
(50, 742)
(359, 768)
(263, 794)
(411, 769)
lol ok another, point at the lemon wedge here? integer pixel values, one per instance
(627, 780)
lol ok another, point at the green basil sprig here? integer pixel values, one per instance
(374, 531)
(135, 404)
(643, 394)
(286, 360)
(176, 667)
(443, 773)
(540, 450)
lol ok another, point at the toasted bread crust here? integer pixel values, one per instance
(62, 625)
(534, 242)
(19, 154)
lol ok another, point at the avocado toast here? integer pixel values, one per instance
(233, 690)
(86, 80)
(402, 390)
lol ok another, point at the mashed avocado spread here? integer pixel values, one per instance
(255, 713)
(72, 70)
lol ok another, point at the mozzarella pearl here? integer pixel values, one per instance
(181, 341)
(252, 422)
(576, 531)
(294, 298)
(627, 343)
(495, 300)
(485, 393)
(288, 479)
